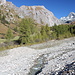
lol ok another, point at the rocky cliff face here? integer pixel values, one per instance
(8, 11)
(39, 13)
(69, 18)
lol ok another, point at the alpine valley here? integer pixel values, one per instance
(34, 42)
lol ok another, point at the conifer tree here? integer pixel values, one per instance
(26, 30)
(48, 32)
(43, 33)
(9, 35)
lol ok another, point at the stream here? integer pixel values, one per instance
(39, 65)
(42, 60)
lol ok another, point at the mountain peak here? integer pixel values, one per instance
(69, 18)
(71, 14)
(2, 2)
(39, 13)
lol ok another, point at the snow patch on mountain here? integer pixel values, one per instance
(69, 18)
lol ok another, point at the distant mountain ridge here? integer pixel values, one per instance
(69, 18)
(39, 13)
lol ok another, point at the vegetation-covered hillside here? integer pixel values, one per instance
(8, 20)
(27, 31)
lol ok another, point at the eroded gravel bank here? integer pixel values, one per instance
(18, 61)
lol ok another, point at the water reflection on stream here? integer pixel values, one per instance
(39, 65)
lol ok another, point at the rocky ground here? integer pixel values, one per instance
(50, 58)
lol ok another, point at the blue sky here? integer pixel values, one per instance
(59, 8)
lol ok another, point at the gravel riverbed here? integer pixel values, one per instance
(19, 61)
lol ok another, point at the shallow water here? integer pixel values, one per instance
(38, 66)
(42, 60)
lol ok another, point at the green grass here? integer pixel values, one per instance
(15, 38)
(2, 40)
(9, 47)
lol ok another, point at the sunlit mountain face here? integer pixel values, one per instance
(69, 18)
